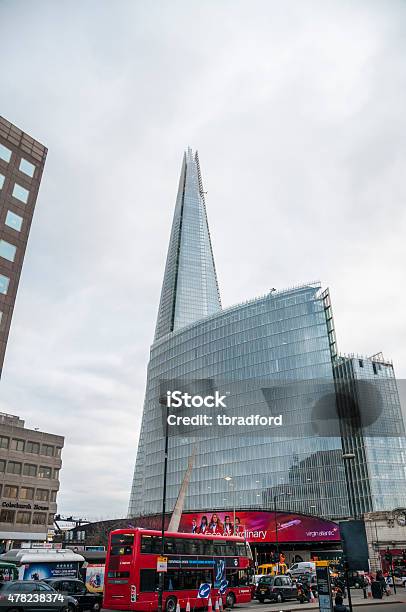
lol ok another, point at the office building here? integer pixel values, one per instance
(280, 347)
(374, 440)
(22, 162)
(30, 462)
(283, 336)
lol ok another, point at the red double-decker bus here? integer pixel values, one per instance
(131, 577)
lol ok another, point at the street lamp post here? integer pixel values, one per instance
(161, 574)
(347, 458)
(275, 497)
(230, 481)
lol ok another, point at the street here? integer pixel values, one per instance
(393, 603)
(385, 606)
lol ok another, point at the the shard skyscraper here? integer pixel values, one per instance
(283, 337)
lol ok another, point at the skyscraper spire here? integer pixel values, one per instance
(189, 289)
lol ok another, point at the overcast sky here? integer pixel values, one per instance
(298, 112)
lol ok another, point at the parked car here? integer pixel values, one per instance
(276, 588)
(77, 589)
(356, 580)
(400, 576)
(34, 587)
(304, 567)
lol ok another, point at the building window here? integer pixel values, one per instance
(4, 283)
(27, 167)
(17, 444)
(5, 153)
(14, 221)
(2, 465)
(32, 447)
(7, 516)
(42, 495)
(58, 451)
(56, 473)
(29, 469)
(23, 517)
(44, 472)
(4, 442)
(26, 493)
(47, 450)
(13, 467)
(7, 250)
(39, 518)
(53, 496)
(20, 193)
(2, 179)
(10, 491)
(51, 519)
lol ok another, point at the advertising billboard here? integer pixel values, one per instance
(43, 570)
(262, 526)
(95, 577)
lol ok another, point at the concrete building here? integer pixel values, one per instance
(22, 162)
(30, 461)
(386, 532)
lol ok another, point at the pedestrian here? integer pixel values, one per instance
(381, 579)
(339, 605)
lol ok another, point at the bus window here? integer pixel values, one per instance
(171, 546)
(148, 580)
(219, 548)
(119, 539)
(116, 551)
(151, 544)
(241, 549)
(121, 544)
(178, 580)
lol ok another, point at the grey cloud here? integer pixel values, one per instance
(298, 115)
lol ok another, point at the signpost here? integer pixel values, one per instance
(324, 586)
(204, 591)
(223, 586)
(162, 564)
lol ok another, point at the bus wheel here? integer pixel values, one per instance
(230, 600)
(170, 605)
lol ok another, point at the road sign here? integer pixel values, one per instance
(204, 591)
(162, 564)
(223, 586)
(324, 587)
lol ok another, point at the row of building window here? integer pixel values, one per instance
(7, 250)
(19, 192)
(24, 517)
(28, 469)
(30, 447)
(25, 166)
(28, 493)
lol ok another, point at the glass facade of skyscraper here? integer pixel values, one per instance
(377, 473)
(283, 340)
(280, 337)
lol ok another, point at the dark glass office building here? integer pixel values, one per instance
(377, 472)
(283, 338)
(22, 162)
